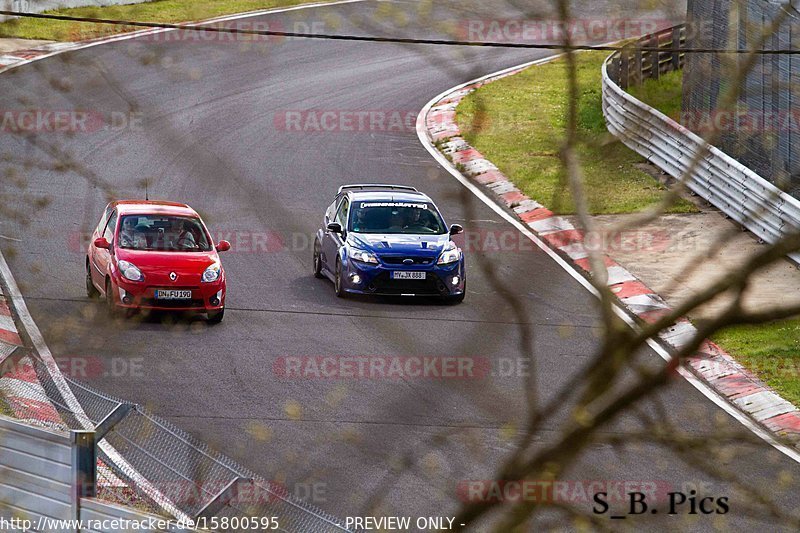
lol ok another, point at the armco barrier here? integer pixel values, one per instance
(734, 189)
(41, 476)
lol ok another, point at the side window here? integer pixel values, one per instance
(110, 227)
(344, 210)
(101, 226)
(330, 212)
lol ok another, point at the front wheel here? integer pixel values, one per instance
(317, 260)
(91, 290)
(113, 310)
(215, 317)
(337, 280)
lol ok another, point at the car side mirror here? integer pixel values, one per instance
(455, 229)
(223, 246)
(335, 227)
(102, 242)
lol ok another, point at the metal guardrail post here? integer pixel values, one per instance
(84, 468)
(624, 68)
(655, 57)
(84, 456)
(676, 48)
(637, 65)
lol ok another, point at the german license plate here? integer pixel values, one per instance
(171, 294)
(408, 275)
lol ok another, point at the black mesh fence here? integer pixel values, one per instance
(763, 129)
(164, 467)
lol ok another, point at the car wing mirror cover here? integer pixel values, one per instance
(223, 246)
(102, 242)
(455, 229)
(335, 227)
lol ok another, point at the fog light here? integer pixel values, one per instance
(356, 279)
(216, 299)
(126, 299)
(455, 280)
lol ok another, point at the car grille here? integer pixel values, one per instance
(384, 284)
(398, 259)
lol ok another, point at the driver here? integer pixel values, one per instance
(185, 238)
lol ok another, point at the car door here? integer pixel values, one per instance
(102, 257)
(92, 251)
(331, 242)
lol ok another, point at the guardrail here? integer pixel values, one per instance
(734, 189)
(46, 475)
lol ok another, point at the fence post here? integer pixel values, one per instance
(637, 65)
(84, 473)
(624, 68)
(655, 56)
(676, 48)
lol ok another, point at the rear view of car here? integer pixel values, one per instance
(389, 240)
(156, 256)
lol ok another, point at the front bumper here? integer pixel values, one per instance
(440, 280)
(139, 296)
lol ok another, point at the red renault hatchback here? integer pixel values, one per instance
(155, 256)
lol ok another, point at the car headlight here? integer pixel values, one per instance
(129, 271)
(212, 273)
(451, 254)
(364, 257)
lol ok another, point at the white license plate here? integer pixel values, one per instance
(173, 295)
(408, 275)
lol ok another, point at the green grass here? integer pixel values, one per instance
(158, 11)
(518, 124)
(5, 410)
(663, 94)
(771, 351)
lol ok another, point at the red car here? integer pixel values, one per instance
(155, 256)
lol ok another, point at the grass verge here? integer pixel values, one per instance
(171, 11)
(518, 124)
(663, 94)
(771, 351)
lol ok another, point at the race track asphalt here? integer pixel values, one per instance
(208, 132)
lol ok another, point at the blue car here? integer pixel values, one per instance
(389, 240)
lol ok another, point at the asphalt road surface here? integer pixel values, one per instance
(206, 123)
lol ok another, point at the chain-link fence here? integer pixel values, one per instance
(163, 467)
(763, 132)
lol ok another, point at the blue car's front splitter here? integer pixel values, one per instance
(440, 280)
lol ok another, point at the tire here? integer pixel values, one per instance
(91, 290)
(215, 317)
(337, 280)
(317, 261)
(113, 310)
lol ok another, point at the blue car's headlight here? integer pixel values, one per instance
(364, 257)
(451, 254)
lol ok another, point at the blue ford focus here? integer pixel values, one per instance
(388, 240)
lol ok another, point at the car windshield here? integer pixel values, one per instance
(396, 217)
(163, 233)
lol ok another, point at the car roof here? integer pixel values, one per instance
(389, 196)
(142, 207)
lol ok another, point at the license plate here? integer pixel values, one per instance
(408, 275)
(173, 295)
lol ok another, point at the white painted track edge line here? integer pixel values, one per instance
(153, 31)
(704, 388)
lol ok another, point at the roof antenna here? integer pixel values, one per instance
(146, 192)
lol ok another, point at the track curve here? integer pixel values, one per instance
(212, 135)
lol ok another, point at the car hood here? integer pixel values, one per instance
(390, 244)
(189, 266)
